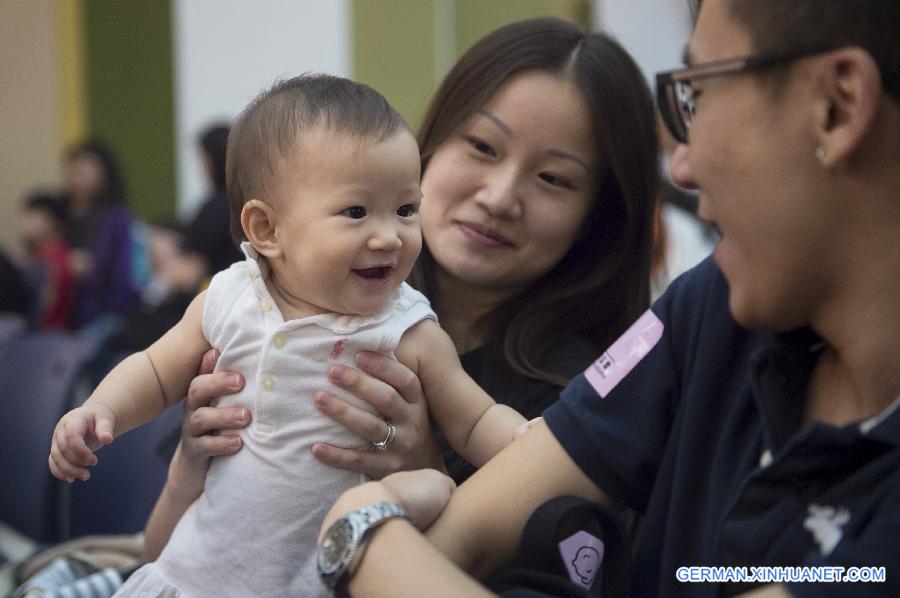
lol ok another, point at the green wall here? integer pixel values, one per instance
(130, 96)
(403, 48)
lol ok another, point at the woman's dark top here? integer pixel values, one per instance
(105, 231)
(209, 234)
(571, 356)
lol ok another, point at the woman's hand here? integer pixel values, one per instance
(201, 428)
(200, 441)
(395, 393)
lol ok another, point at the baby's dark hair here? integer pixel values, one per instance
(270, 127)
(47, 204)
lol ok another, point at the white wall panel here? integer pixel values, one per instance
(227, 51)
(654, 31)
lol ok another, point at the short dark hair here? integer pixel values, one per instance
(777, 26)
(213, 140)
(270, 126)
(113, 186)
(48, 204)
(602, 284)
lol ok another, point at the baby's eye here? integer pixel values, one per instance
(355, 212)
(407, 210)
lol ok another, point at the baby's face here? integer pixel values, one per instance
(347, 216)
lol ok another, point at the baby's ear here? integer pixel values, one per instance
(258, 222)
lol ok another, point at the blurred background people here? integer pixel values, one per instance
(99, 232)
(47, 261)
(208, 234)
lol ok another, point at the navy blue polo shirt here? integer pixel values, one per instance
(704, 438)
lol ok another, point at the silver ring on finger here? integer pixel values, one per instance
(380, 447)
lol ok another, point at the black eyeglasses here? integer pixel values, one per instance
(675, 93)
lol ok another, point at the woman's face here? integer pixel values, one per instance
(84, 175)
(505, 197)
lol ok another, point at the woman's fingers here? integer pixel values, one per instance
(393, 373)
(206, 387)
(374, 465)
(359, 421)
(204, 420)
(381, 396)
(216, 446)
(208, 363)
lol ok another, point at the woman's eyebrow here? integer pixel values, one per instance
(568, 156)
(557, 153)
(500, 124)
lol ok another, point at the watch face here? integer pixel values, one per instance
(336, 546)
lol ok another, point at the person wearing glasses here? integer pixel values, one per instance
(752, 415)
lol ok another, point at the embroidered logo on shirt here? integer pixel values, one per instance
(605, 373)
(583, 554)
(825, 524)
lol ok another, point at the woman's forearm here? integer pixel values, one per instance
(481, 528)
(183, 487)
(401, 562)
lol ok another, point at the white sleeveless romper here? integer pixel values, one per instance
(253, 530)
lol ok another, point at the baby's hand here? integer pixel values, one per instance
(77, 435)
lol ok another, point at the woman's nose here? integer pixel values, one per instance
(680, 167)
(500, 195)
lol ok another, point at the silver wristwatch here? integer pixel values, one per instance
(339, 551)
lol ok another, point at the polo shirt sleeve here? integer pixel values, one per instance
(619, 440)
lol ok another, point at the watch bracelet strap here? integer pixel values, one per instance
(374, 516)
(381, 511)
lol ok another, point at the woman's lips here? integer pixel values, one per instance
(482, 235)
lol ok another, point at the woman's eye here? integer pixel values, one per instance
(405, 211)
(554, 180)
(482, 147)
(356, 212)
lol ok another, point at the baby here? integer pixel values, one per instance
(323, 181)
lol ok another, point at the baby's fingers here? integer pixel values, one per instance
(63, 469)
(72, 447)
(103, 430)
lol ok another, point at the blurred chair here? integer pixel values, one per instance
(124, 484)
(11, 326)
(40, 374)
(37, 378)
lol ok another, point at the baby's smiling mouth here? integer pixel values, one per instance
(377, 273)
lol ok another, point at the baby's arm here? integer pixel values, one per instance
(475, 426)
(133, 393)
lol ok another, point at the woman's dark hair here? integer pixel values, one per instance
(112, 190)
(213, 141)
(603, 283)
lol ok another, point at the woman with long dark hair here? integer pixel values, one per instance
(539, 183)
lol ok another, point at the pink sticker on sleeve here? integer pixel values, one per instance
(605, 373)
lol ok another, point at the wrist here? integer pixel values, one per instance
(185, 480)
(343, 544)
(356, 498)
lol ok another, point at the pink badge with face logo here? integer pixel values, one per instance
(605, 373)
(583, 555)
